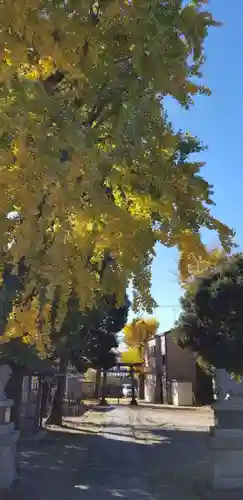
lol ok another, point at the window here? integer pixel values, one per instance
(152, 351)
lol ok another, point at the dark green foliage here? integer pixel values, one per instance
(211, 322)
(94, 344)
(87, 338)
(24, 356)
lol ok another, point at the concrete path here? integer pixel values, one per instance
(131, 454)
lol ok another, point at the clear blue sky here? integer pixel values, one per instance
(216, 120)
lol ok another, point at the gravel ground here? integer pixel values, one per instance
(118, 452)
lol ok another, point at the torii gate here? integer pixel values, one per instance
(132, 367)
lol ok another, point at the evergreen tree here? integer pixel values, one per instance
(87, 338)
(211, 321)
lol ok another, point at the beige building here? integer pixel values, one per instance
(166, 362)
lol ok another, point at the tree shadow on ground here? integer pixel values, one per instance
(75, 465)
(103, 409)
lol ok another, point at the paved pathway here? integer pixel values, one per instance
(120, 453)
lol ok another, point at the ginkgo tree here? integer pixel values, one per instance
(203, 265)
(90, 165)
(140, 331)
(136, 337)
(131, 355)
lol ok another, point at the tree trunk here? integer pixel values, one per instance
(133, 400)
(44, 398)
(97, 383)
(204, 387)
(103, 401)
(56, 411)
(159, 395)
(141, 378)
(141, 385)
(14, 392)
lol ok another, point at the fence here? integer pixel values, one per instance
(30, 405)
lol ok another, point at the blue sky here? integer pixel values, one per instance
(216, 120)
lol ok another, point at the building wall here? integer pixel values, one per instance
(166, 361)
(153, 370)
(180, 363)
(78, 389)
(150, 388)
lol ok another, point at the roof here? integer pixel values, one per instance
(167, 332)
(160, 334)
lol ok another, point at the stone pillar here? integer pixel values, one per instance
(8, 435)
(227, 436)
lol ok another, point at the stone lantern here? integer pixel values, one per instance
(227, 435)
(8, 435)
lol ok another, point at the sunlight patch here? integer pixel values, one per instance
(83, 487)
